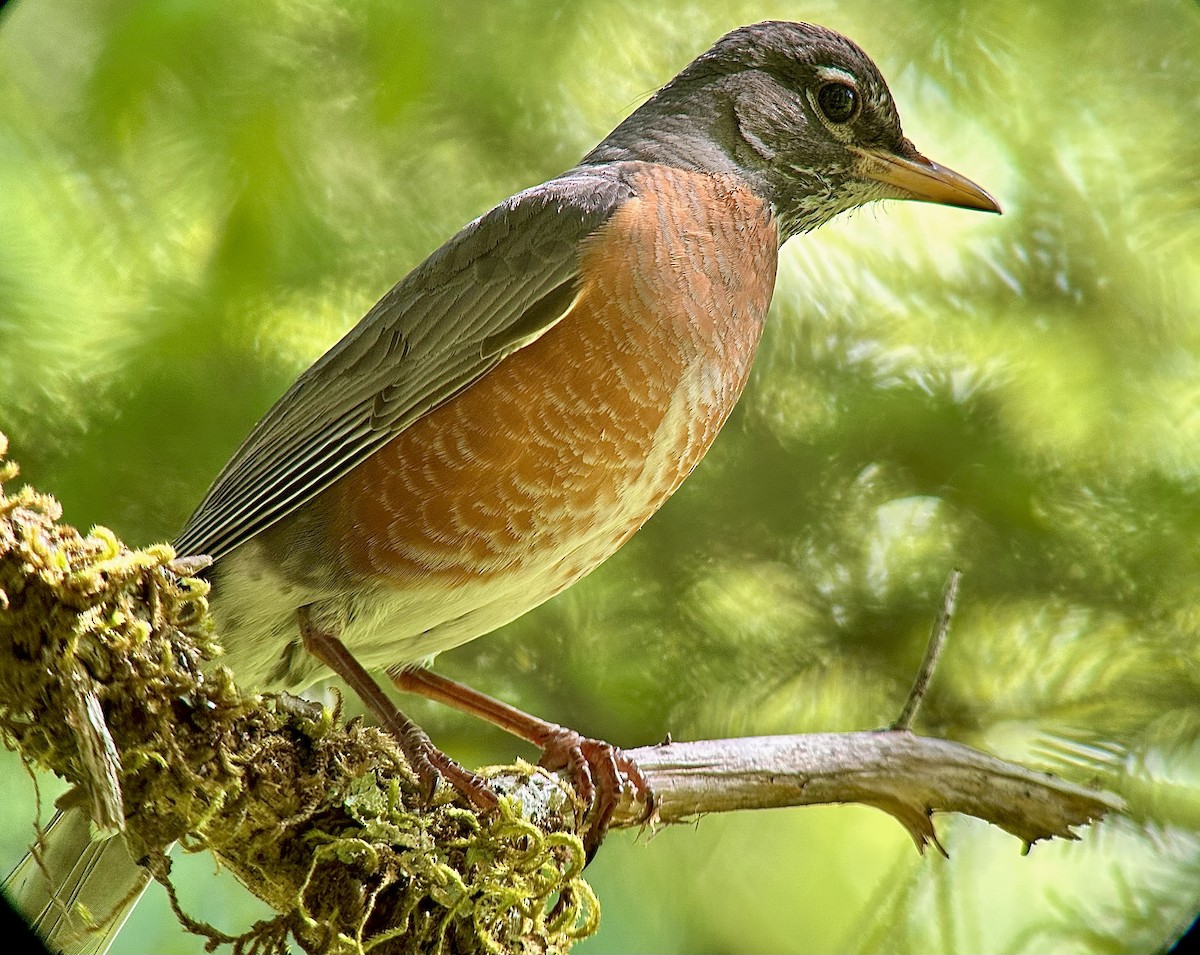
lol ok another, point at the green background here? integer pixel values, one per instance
(197, 198)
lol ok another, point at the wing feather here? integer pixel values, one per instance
(494, 287)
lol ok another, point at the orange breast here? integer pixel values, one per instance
(545, 466)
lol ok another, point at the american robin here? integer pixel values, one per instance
(520, 404)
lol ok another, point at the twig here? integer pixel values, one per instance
(933, 650)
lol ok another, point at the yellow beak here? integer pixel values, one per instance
(915, 177)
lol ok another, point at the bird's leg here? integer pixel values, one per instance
(426, 760)
(598, 769)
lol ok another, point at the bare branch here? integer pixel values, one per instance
(933, 652)
(908, 776)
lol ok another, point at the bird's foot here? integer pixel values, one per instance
(600, 772)
(431, 765)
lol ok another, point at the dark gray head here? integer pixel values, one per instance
(801, 114)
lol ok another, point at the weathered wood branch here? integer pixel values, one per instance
(908, 776)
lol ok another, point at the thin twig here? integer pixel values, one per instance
(933, 650)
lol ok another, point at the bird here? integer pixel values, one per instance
(516, 407)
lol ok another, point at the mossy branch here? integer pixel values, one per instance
(110, 677)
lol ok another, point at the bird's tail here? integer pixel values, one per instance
(80, 882)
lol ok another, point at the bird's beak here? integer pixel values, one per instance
(915, 177)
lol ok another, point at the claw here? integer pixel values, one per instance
(600, 772)
(432, 765)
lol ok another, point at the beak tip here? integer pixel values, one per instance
(991, 204)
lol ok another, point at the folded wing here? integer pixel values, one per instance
(493, 288)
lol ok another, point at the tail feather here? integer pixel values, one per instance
(80, 882)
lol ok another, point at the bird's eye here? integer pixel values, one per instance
(837, 101)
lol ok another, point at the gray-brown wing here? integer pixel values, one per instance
(491, 289)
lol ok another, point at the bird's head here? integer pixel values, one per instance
(799, 112)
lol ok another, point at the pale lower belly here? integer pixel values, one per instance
(387, 624)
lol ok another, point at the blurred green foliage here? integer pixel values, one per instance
(198, 196)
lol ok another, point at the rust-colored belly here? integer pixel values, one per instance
(540, 470)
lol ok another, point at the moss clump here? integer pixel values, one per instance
(110, 677)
